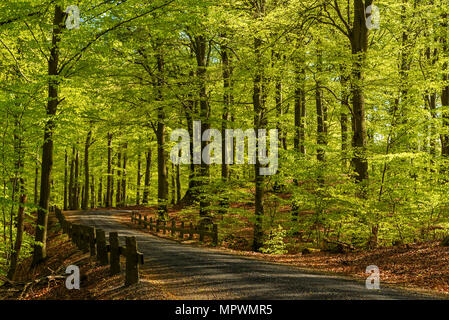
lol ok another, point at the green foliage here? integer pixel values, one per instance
(275, 243)
(111, 84)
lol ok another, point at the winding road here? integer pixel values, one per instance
(189, 272)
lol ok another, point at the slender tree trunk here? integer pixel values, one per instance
(259, 123)
(178, 184)
(118, 193)
(320, 112)
(445, 97)
(139, 177)
(19, 234)
(344, 119)
(82, 195)
(300, 109)
(173, 185)
(72, 181)
(300, 116)
(359, 45)
(100, 192)
(162, 194)
(109, 180)
(66, 163)
(227, 97)
(191, 194)
(146, 189)
(125, 159)
(86, 171)
(18, 186)
(112, 185)
(201, 58)
(40, 248)
(77, 181)
(36, 184)
(92, 191)
(279, 100)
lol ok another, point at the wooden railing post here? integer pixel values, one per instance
(69, 229)
(73, 233)
(215, 235)
(181, 233)
(173, 226)
(132, 265)
(84, 239)
(157, 225)
(102, 252)
(151, 224)
(115, 253)
(76, 235)
(145, 223)
(140, 219)
(91, 232)
(165, 227)
(191, 231)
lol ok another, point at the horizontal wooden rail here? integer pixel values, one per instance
(182, 230)
(90, 239)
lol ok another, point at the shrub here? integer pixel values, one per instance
(275, 243)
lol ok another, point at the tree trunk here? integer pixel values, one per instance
(445, 97)
(109, 180)
(72, 181)
(162, 190)
(279, 99)
(359, 46)
(300, 108)
(173, 185)
(19, 234)
(118, 193)
(259, 123)
(227, 97)
(344, 119)
(36, 184)
(112, 186)
(125, 159)
(320, 112)
(178, 184)
(40, 248)
(139, 177)
(92, 192)
(200, 54)
(146, 189)
(77, 182)
(191, 194)
(66, 163)
(86, 171)
(100, 192)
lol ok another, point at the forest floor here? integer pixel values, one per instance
(184, 266)
(421, 267)
(46, 282)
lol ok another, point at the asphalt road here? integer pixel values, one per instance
(189, 272)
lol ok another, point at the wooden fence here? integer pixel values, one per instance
(90, 239)
(173, 228)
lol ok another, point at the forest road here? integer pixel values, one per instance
(189, 272)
